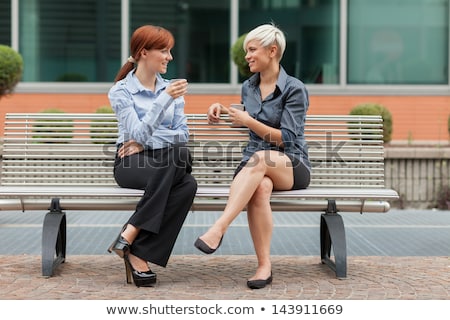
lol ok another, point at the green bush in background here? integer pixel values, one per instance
(104, 109)
(11, 68)
(104, 139)
(238, 56)
(49, 132)
(373, 109)
(72, 77)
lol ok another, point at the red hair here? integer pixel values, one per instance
(145, 37)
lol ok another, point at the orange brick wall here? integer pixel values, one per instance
(415, 118)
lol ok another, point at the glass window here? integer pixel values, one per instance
(202, 31)
(70, 40)
(398, 42)
(312, 34)
(5, 22)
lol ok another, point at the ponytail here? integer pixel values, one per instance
(127, 67)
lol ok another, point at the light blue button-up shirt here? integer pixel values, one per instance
(153, 119)
(284, 109)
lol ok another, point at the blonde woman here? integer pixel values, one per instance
(276, 156)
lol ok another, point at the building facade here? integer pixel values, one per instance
(392, 52)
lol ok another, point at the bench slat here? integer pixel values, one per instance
(208, 192)
(127, 204)
(67, 159)
(61, 150)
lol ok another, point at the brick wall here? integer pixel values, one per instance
(416, 119)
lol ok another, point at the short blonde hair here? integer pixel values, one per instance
(267, 35)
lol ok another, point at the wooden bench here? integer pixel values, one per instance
(60, 162)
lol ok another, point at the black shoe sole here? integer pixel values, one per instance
(260, 283)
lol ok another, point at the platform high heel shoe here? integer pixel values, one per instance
(140, 279)
(120, 246)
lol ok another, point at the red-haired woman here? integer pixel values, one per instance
(151, 153)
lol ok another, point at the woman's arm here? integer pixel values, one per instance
(294, 115)
(128, 148)
(137, 129)
(179, 122)
(268, 133)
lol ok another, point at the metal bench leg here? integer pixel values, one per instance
(53, 239)
(332, 236)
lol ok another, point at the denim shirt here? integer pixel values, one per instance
(284, 109)
(153, 119)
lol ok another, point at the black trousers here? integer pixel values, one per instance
(169, 190)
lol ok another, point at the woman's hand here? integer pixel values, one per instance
(177, 88)
(238, 117)
(214, 112)
(129, 148)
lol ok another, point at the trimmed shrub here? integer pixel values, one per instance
(47, 132)
(113, 131)
(238, 56)
(376, 109)
(104, 109)
(72, 77)
(11, 68)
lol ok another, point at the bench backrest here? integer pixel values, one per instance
(79, 149)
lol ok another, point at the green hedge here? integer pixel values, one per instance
(238, 56)
(113, 131)
(63, 129)
(376, 109)
(11, 68)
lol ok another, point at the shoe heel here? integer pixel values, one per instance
(140, 279)
(111, 247)
(128, 273)
(120, 245)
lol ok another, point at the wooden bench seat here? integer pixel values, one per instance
(62, 162)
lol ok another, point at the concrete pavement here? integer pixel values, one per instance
(401, 255)
(221, 277)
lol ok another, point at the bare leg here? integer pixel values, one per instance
(275, 165)
(130, 233)
(259, 215)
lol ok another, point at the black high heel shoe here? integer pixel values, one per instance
(120, 246)
(140, 279)
(203, 247)
(259, 283)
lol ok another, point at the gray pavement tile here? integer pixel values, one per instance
(401, 255)
(397, 233)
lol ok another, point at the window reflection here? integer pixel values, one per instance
(312, 34)
(202, 35)
(389, 42)
(400, 42)
(69, 41)
(5, 23)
